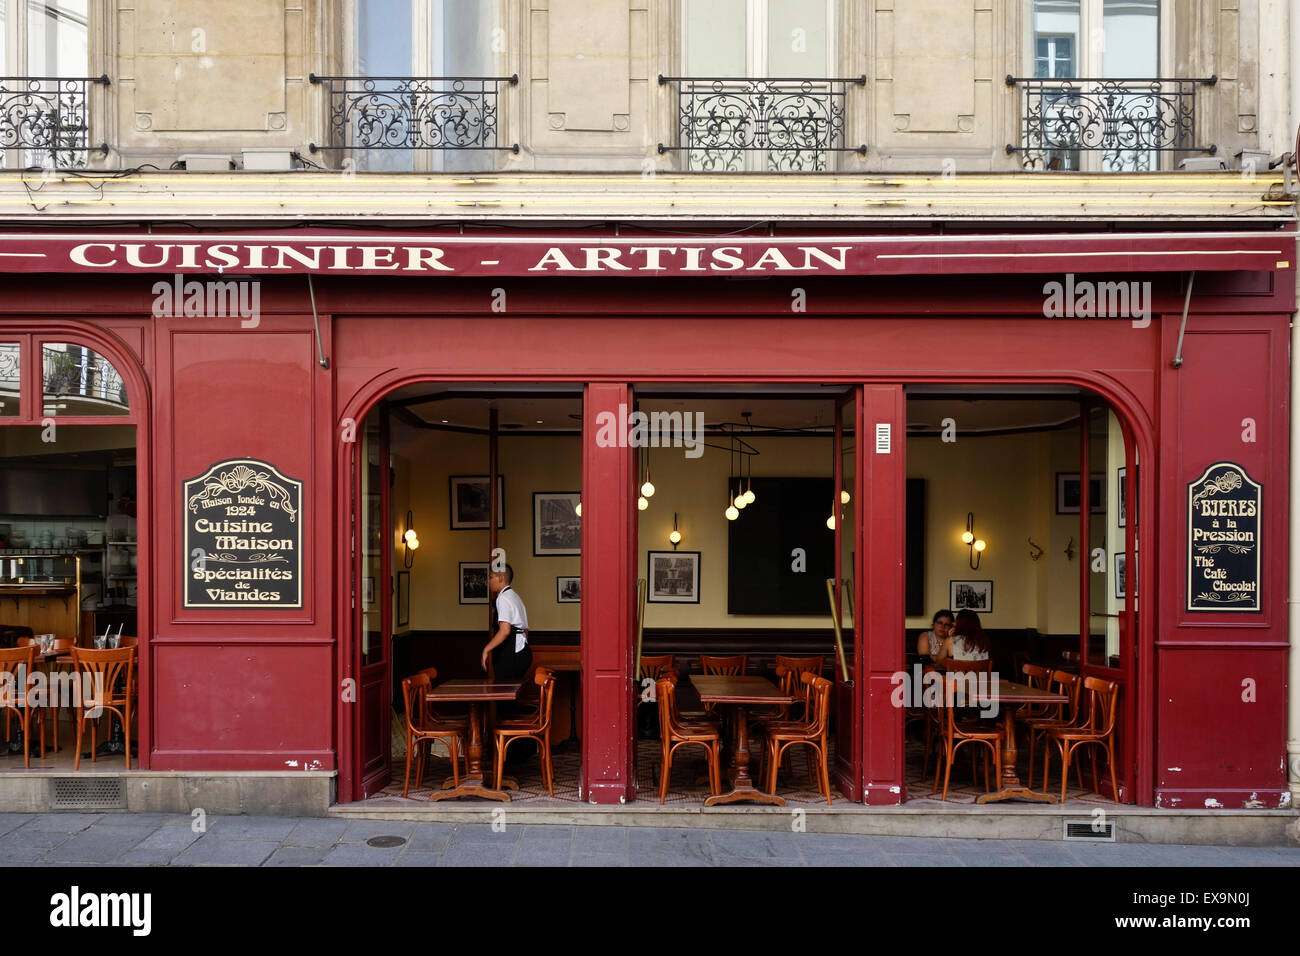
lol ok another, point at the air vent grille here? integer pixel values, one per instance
(88, 793)
(1090, 831)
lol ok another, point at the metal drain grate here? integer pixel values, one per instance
(385, 841)
(87, 793)
(1091, 831)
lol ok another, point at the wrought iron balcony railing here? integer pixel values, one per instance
(45, 119)
(413, 112)
(797, 123)
(1130, 122)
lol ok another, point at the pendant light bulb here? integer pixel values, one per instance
(845, 497)
(647, 490)
(675, 536)
(577, 509)
(749, 496)
(830, 522)
(731, 513)
(642, 503)
(741, 502)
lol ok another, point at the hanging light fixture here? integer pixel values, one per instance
(577, 509)
(648, 488)
(675, 536)
(642, 503)
(845, 497)
(732, 511)
(750, 497)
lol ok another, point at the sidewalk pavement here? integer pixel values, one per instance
(157, 839)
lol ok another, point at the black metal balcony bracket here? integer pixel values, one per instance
(1129, 121)
(45, 117)
(413, 112)
(797, 122)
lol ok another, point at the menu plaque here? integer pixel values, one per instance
(243, 539)
(1223, 523)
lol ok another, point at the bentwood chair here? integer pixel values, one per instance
(422, 730)
(1095, 730)
(17, 695)
(723, 667)
(795, 668)
(430, 716)
(956, 734)
(61, 646)
(534, 727)
(106, 683)
(1067, 684)
(812, 733)
(675, 733)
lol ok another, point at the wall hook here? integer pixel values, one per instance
(1037, 552)
(1069, 550)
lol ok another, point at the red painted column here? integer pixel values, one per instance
(881, 551)
(609, 567)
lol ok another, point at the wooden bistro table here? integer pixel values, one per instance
(1010, 696)
(739, 692)
(475, 693)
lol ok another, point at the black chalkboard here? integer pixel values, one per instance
(243, 537)
(787, 513)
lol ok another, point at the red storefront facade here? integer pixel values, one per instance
(267, 689)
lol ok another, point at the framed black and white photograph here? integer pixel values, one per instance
(568, 590)
(1121, 574)
(1069, 493)
(403, 598)
(1123, 507)
(971, 596)
(473, 582)
(470, 504)
(370, 591)
(674, 577)
(557, 529)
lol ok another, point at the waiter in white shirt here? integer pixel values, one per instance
(511, 655)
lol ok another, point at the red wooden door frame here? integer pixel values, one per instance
(30, 335)
(609, 568)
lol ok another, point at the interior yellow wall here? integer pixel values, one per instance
(528, 464)
(1008, 481)
(696, 489)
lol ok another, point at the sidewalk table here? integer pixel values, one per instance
(1009, 696)
(737, 693)
(475, 693)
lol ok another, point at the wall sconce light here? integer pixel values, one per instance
(976, 545)
(1037, 552)
(410, 541)
(675, 536)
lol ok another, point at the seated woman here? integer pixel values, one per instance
(966, 642)
(929, 642)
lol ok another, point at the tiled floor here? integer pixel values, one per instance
(688, 765)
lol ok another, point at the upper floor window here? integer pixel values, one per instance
(424, 92)
(1110, 103)
(759, 90)
(43, 86)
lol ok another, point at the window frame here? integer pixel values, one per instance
(427, 59)
(1089, 58)
(757, 24)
